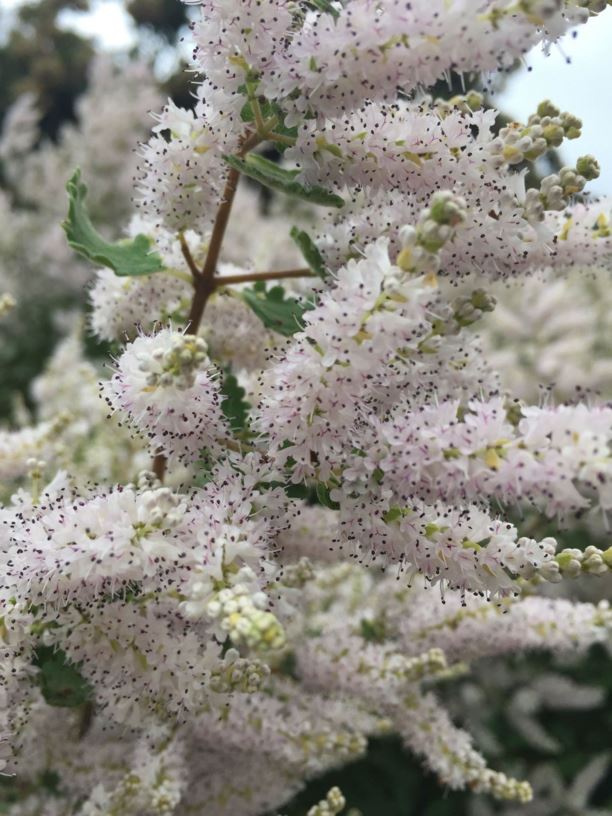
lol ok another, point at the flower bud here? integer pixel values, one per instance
(588, 167)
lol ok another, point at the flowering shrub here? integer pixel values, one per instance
(296, 511)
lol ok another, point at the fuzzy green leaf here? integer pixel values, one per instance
(277, 312)
(278, 178)
(325, 6)
(61, 682)
(310, 251)
(266, 107)
(324, 497)
(234, 406)
(126, 258)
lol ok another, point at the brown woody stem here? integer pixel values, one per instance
(159, 466)
(204, 281)
(253, 277)
(188, 256)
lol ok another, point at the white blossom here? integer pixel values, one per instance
(164, 384)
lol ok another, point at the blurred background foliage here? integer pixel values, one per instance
(41, 57)
(38, 55)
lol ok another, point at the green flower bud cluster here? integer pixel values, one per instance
(178, 364)
(158, 796)
(545, 129)
(296, 575)
(428, 664)
(556, 189)
(164, 798)
(554, 124)
(466, 310)
(445, 209)
(436, 226)
(341, 743)
(502, 786)
(571, 563)
(588, 167)
(333, 804)
(466, 103)
(594, 6)
(242, 616)
(36, 467)
(239, 674)
(470, 308)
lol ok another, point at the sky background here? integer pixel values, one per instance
(582, 86)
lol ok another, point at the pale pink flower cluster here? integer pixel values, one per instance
(182, 178)
(332, 525)
(165, 385)
(556, 458)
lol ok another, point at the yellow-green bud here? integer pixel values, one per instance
(588, 167)
(474, 100)
(572, 125)
(546, 108)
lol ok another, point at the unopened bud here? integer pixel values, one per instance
(588, 167)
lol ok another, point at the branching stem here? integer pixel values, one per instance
(204, 280)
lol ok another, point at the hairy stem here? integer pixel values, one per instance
(280, 137)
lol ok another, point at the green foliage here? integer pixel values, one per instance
(27, 337)
(581, 734)
(310, 251)
(205, 466)
(266, 107)
(38, 56)
(301, 491)
(276, 311)
(325, 6)
(388, 781)
(269, 174)
(61, 682)
(324, 498)
(234, 405)
(125, 258)
(164, 17)
(373, 630)
(14, 789)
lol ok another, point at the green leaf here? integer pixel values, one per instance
(268, 108)
(125, 258)
(234, 406)
(271, 175)
(325, 6)
(310, 251)
(277, 312)
(372, 630)
(60, 681)
(205, 465)
(324, 497)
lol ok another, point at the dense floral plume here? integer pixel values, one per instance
(307, 508)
